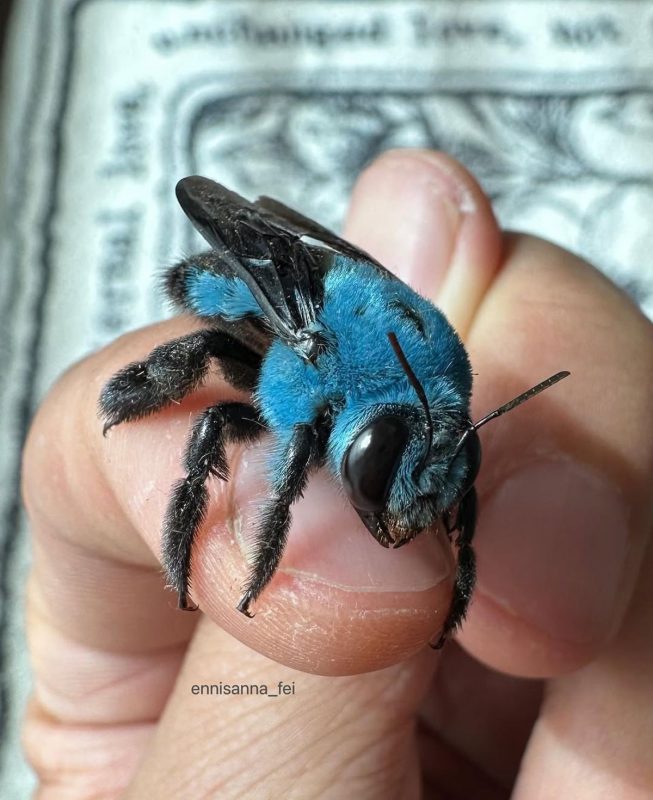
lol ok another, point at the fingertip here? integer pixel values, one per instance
(508, 643)
(325, 630)
(339, 603)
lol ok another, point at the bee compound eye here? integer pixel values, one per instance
(371, 462)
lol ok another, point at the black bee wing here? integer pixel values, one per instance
(306, 228)
(280, 255)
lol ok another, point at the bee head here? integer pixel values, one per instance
(449, 472)
(371, 463)
(407, 466)
(402, 453)
(390, 460)
(451, 451)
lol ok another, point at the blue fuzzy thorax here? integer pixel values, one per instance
(359, 377)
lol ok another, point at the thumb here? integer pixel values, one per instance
(237, 722)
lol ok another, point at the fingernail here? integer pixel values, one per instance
(551, 548)
(327, 542)
(407, 210)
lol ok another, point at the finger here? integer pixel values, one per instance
(333, 737)
(482, 717)
(594, 735)
(565, 487)
(105, 640)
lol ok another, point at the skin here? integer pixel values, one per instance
(565, 590)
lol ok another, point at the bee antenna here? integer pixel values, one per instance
(417, 386)
(517, 401)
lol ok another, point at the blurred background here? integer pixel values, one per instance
(107, 103)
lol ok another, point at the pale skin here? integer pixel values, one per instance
(565, 589)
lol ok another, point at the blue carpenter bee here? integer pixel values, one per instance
(348, 367)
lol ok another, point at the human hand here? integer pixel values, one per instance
(565, 590)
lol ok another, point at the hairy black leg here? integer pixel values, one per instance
(302, 453)
(466, 570)
(205, 456)
(172, 371)
(452, 521)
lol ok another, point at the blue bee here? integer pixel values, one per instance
(347, 367)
